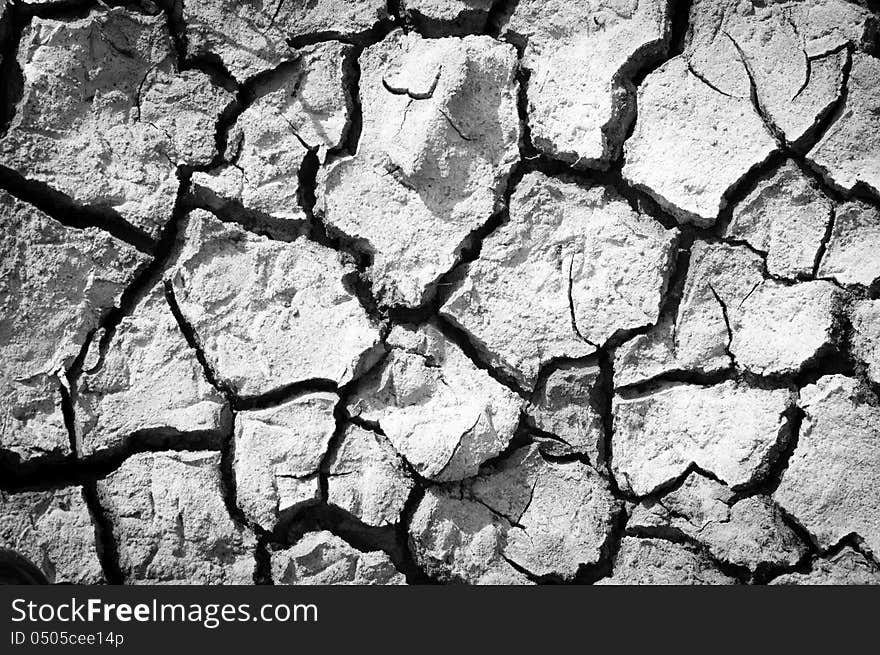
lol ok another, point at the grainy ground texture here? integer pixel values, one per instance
(440, 291)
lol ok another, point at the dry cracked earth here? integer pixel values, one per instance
(440, 291)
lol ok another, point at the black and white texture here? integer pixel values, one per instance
(440, 291)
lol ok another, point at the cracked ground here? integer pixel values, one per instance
(440, 291)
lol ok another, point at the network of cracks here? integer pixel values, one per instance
(440, 291)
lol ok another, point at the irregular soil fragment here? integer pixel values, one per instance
(849, 153)
(561, 513)
(303, 109)
(441, 413)
(729, 429)
(658, 562)
(105, 117)
(749, 533)
(866, 337)
(786, 216)
(460, 541)
(321, 558)
(785, 55)
(581, 58)
(278, 452)
(54, 531)
(56, 285)
(831, 483)
(563, 406)
(730, 314)
(367, 478)
(268, 313)
(692, 143)
(436, 18)
(851, 255)
(779, 329)
(823, 25)
(170, 524)
(525, 514)
(251, 37)
(848, 567)
(572, 267)
(440, 137)
(148, 383)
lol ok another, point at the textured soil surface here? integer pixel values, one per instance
(440, 291)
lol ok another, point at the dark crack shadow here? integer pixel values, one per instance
(315, 516)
